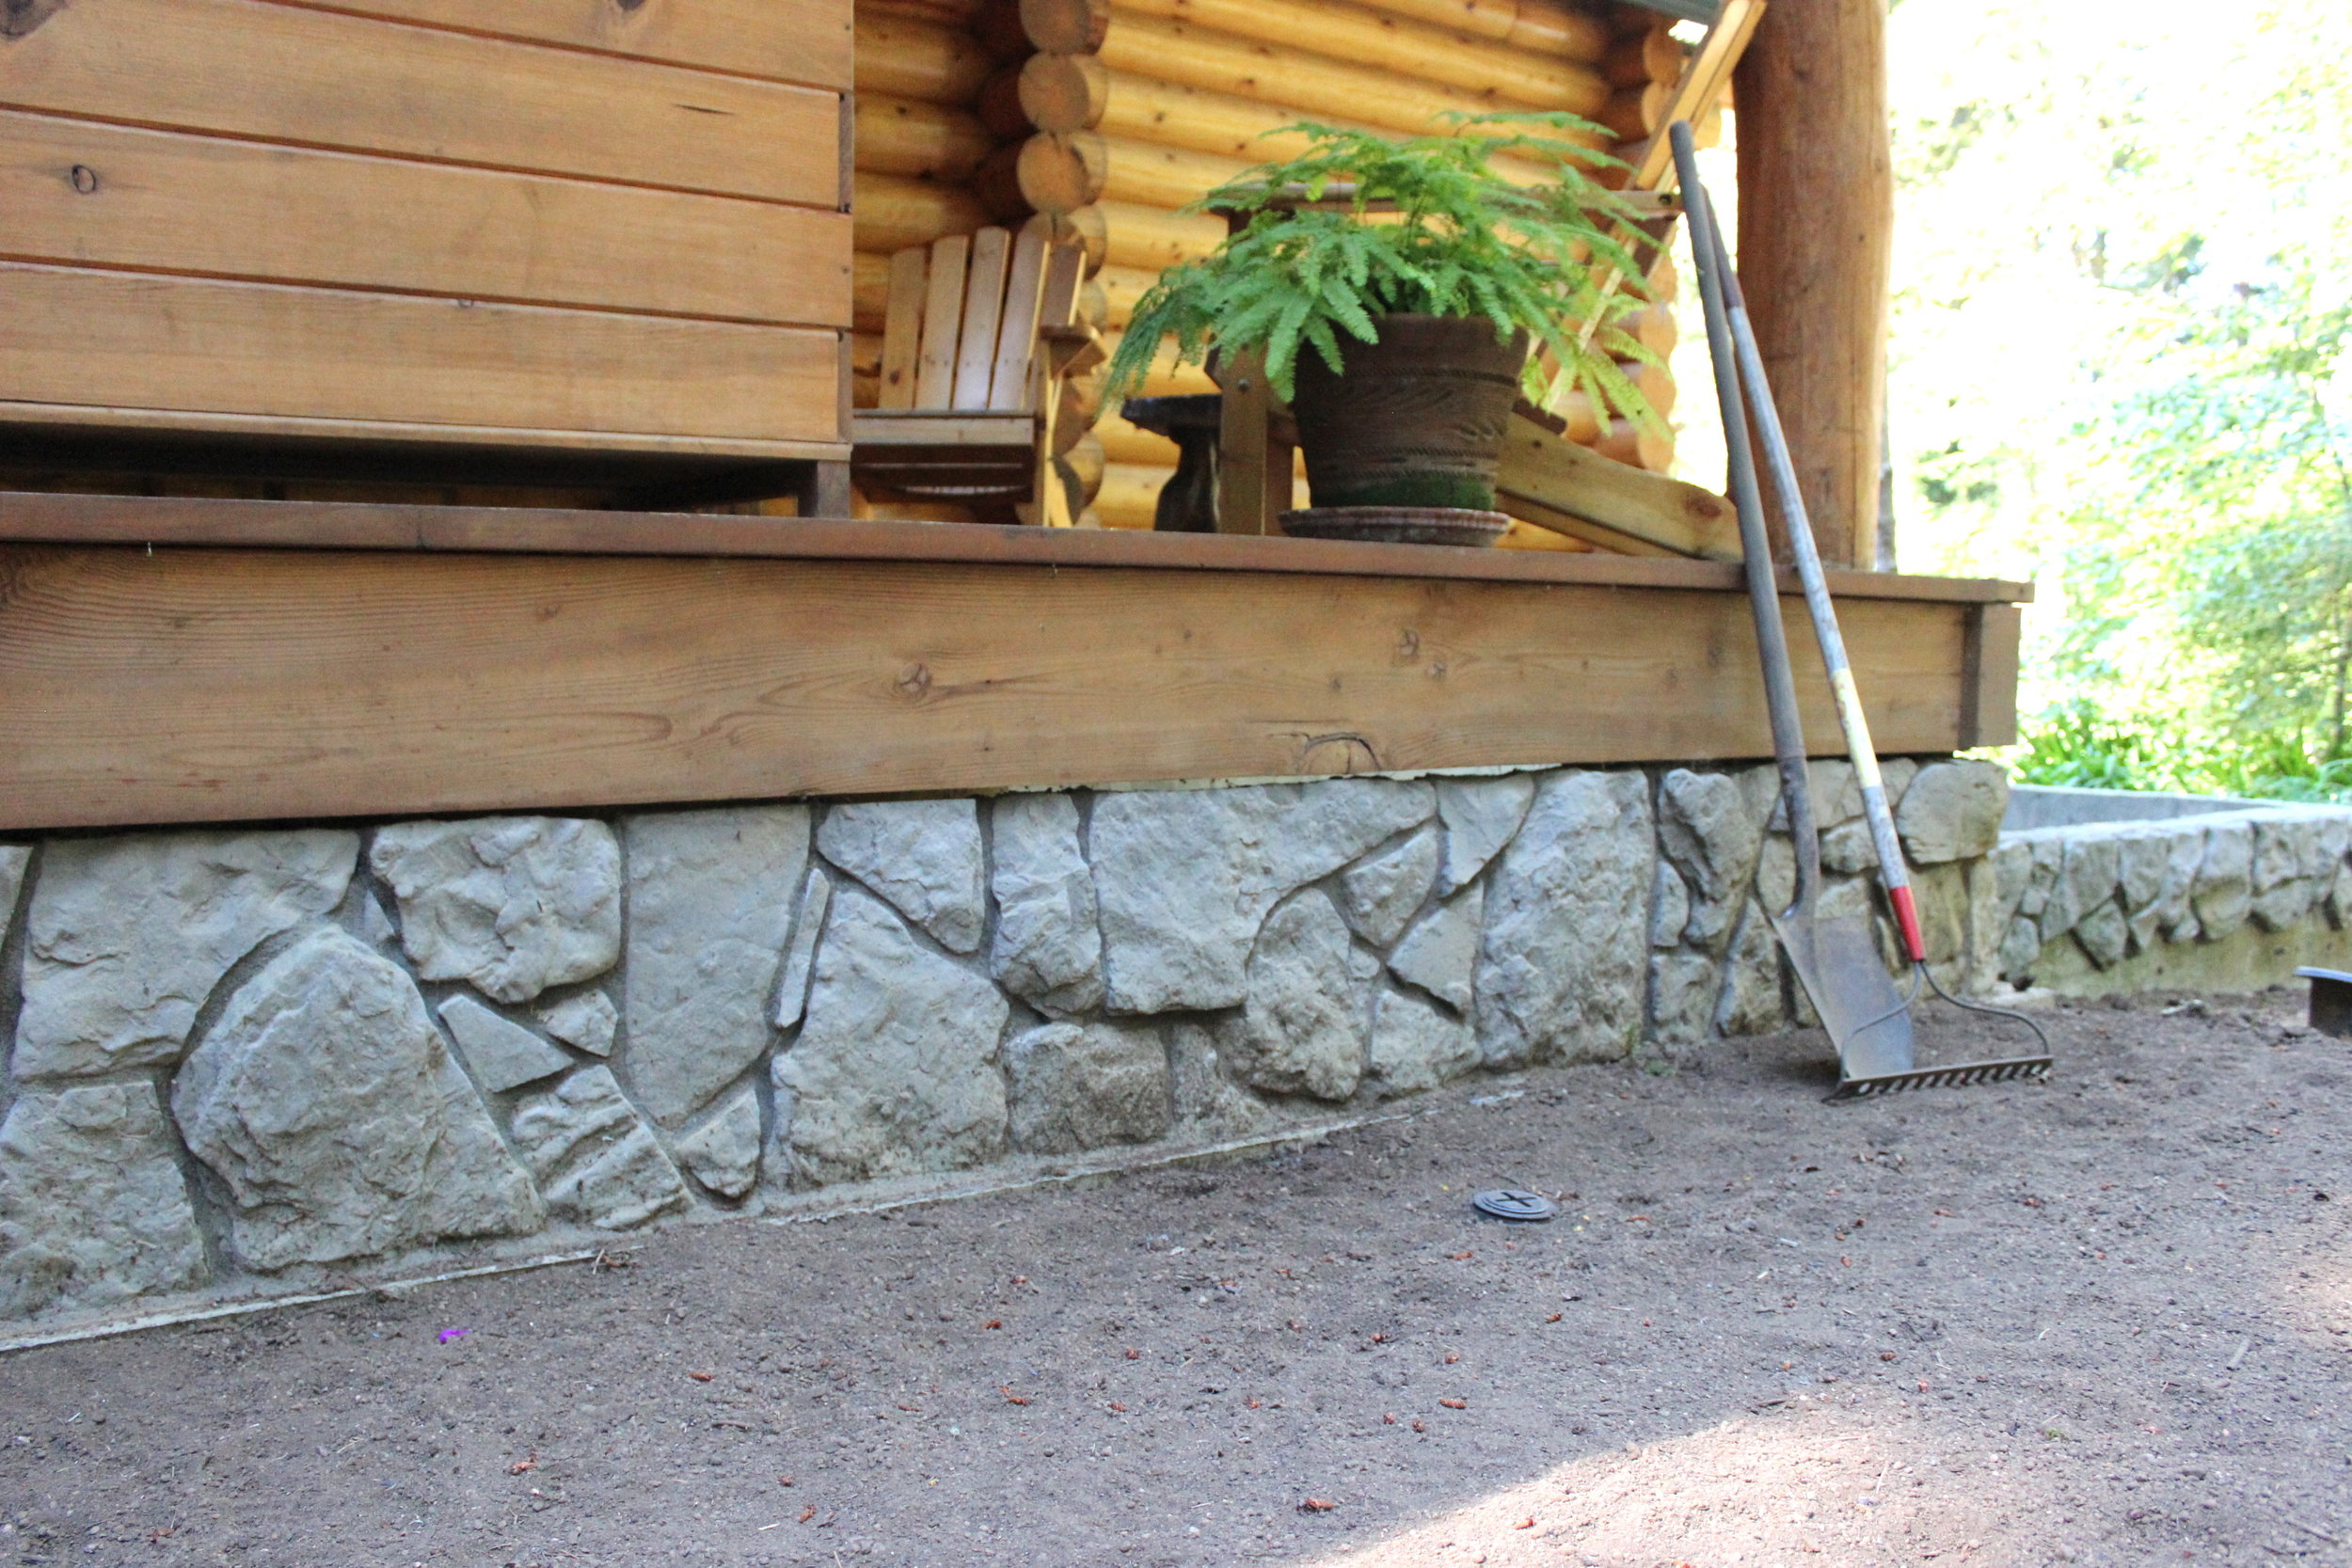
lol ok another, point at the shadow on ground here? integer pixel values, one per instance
(2103, 1321)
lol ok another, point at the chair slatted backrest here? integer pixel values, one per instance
(965, 316)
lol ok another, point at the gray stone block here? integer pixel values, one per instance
(711, 896)
(1682, 989)
(1953, 811)
(93, 1209)
(1940, 892)
(1896, 775)
(1209, 1104)
(2012, 864)
(2102, 934)
(1381, 892)
(2088, 874)
(126, 937)
(2339, 901)
(1048, 948)
(1480, 816)
(800, 958)
(1669, 906)
(595, 1159)
(2021, 946)
(2286, 851)
(1777, 872)
(895, 1071)
(1837, 797)
(1185, 878)
(1848, 848)
(14, 859)
(723, 1152)
(2049, 858)
(1566, 949)
(510, 904)
(1988, 922)
(502, 1056)
(1079, 1086)
(1440, 953)
(2184, 852)
(1752, 1001)
(326, 1103)
(1303, 1028)
(2141, 858)
(1712, 827)
(2224, 892)
(588, 1021)
(1416, 1044)
(923, 856)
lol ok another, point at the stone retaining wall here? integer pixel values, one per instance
(2226, 901)
(273, 1061)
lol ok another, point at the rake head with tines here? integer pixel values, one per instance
(1945, 1077)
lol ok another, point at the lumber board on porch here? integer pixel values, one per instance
(220, 683)
(29, 518)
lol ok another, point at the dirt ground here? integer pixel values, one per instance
(2102, 1322)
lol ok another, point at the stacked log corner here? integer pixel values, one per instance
(1137, 108)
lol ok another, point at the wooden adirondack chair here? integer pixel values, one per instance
(980, 335)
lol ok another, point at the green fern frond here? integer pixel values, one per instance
(1460, 240)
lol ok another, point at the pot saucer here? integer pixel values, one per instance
(1398, 524)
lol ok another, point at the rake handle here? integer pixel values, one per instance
(1772, 637)
(1893, 874)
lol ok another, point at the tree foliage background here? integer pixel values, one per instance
(2118, 366)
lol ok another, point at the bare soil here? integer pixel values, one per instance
(2101, 1322)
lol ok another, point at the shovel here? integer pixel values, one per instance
(1836, 962)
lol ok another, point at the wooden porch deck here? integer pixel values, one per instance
(180, 660)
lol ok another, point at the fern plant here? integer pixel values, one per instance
(1461, 241)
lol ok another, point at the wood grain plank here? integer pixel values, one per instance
(1989, 657)
(783, 40)
(188, 685)
(170, 202)
(1009, 383)
(101, 340)
(47, 518)
(902, 326)
(942, 323)
(281, 73)
(983, 312)
(1562, 479)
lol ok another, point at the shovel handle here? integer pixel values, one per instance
(1798, 524)
(1772, 637)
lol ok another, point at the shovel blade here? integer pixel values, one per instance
(1839, 965)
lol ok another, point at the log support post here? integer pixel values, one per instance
(1817, 201)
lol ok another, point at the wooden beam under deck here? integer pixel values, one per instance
(183, 661)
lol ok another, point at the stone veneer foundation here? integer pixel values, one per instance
(264, 1062)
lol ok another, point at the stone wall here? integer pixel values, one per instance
(2226, 901)
(256, 1062)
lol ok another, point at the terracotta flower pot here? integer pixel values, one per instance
(1416, 419)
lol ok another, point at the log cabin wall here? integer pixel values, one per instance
(1104, 117)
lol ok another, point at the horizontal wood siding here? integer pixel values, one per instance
(169, 202)
(785, 41)
(191, 684)
(609, 224)
(104, 339)
(317, 78)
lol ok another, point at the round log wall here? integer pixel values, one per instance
(1100, 120)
